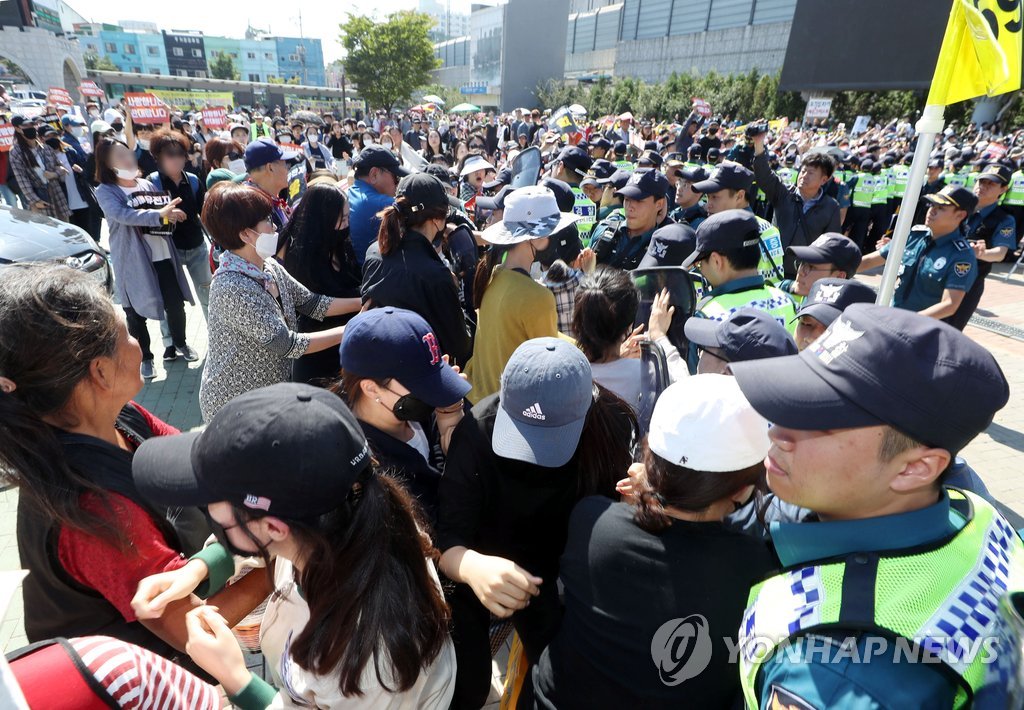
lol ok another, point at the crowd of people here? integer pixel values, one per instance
(612, 386)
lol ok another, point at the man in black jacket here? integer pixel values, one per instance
(803, 212)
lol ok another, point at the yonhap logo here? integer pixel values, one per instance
(681, 649)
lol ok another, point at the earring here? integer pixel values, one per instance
(378, 400)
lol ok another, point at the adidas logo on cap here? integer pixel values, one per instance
(533, 412)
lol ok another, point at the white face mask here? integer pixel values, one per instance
(369, 141)
(387, 144)
(266, 244)
(126, 174)
(313, 138)
(143, 143)
(78, 131)
(237, 166)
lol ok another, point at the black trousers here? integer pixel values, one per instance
(174, 309)
(858, 219)
(536, 626)
(881, 213)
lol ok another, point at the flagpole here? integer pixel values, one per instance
(929, 125)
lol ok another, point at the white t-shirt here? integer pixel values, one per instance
(419, 441)
(75, 201)
(287, 615)
(157, 245)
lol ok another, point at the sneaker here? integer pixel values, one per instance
(188, 353)
(148, 369)
(170, 354)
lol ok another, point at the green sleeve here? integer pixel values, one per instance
(221, 566)
(257, 695)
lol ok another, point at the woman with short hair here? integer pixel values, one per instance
(254, 302)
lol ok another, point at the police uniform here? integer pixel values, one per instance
(586, 209)
(858, 217)
(1013, 200)
(692, 215)
(576, 162)
(932, 265)
(880, 211)
(856, 598)
(612, 242)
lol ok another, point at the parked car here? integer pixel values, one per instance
(26, 236)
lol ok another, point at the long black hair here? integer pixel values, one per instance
(371, 597)
(54, 321)
(606, 305)
(314, 242)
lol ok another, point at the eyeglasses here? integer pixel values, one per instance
(808, 268)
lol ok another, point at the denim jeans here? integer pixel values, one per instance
(197, 262)
(7, 194)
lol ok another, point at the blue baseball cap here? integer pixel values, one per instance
(670, 246)
(878, 365)
(828, 298)
(265, 151)
(395, 343)
(644, 183)
(747, 334)
(727, 176)
(546, 391)
(724, 231)
(830, 248)
(69, 119)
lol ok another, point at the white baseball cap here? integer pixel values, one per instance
(706, 424)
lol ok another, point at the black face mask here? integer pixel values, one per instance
(53, 143)
(29, 132)
(410, 409)
(221, 535)
(118, 127)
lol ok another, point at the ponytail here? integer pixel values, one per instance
(666, 484)
(609, 434)
(494, 255)
(398, 218)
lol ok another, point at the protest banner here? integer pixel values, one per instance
(702, 107)
(90, 89)
(145, 108)
(59, 97)
(215, 118)
(6, 137)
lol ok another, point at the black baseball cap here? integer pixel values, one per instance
(725, 231)
(602, 143)
(650, 159)
(602, 171)
(575, 159)
(644, 183)
(828, 298)
(495, 201)
(670, 245)
(747, 334)
(714, 153)
(830, 248)
(620, 147)
(878, 365)
(442, 173)
(564, 195)
(385, 343)
(290, 450)
(377, 156)
(727, 176)
(996, 172)
(503, 177)
(422, 191)
(694, 174)
(619, 179)
(265, 151)
(959, 197)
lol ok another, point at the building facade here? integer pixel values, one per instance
(186, 54)
(302, 58)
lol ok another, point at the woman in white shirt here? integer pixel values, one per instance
(357, 619)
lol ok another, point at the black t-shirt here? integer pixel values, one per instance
(188, 234)
(706, 143)
(621, 585)
(340, 146)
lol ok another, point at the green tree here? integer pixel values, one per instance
(389, 60)
(94, 61)
(223, 67)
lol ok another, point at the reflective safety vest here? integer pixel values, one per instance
(773, 301)
(881, 194)
(770, 266)
(957, 179)
(585, 208)
(624, 165)
(901, 176)
(787, 176)
(864, 190)
(942, 601)
(970, 180)
(1015, 195)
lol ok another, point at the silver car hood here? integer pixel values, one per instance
(28, 236)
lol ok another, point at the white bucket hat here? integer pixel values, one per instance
(530, 213)
(473, 164)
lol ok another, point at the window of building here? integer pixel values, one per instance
(293, 57)
(155, 71)
(269, 56)
(137, 70)
(181, 72)
(111, 47)
(129, 49)
(197, 53)
(200, 74)
(250, 55)
(153, 51)
(178, 52)
(234, 55)
(254, 77)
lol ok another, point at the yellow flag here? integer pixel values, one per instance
(981, 51)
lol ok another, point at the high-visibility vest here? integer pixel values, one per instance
(943, 599)
(787, 176)
(1014, 197)
(864, 190)
(586, 208)
(624, 165)
(772, 253)
(952, 178)
(901, 176)
(773, 301)
(881, 194)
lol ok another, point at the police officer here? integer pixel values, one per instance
(880, 212)
(621, 162)
(991, 232)
(727, 253)
(788, 172)
(611, 214)
(688, 205)
(934, 182)
(646, 209)
(693, 156)
(900, 174)
(825, 302)
(865, 423)
(572, 166)
(1013, 200)
(599, 148)
(939, 266)
(729, 187)
(858, 217)
(829, 256)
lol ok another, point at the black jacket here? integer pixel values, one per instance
(795, 227)
(404, 463)
(414, 277)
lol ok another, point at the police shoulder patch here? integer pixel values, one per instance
(1006, 231)
(962, 268)
(783, 699)
(961, 244)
